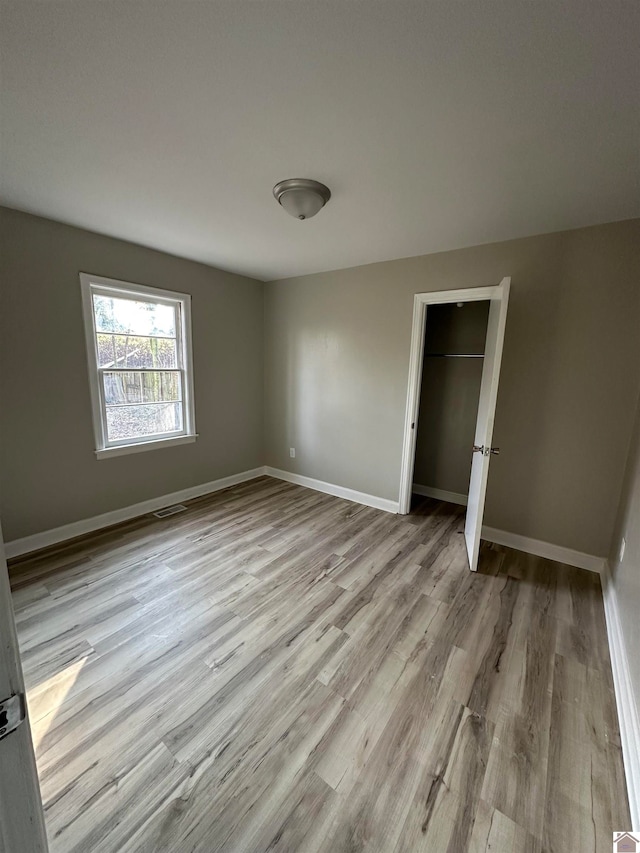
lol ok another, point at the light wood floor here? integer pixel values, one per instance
(280, 670)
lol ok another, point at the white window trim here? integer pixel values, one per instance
(91, 284)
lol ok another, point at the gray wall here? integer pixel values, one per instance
(449, 395)
(335, 365)
(49, 475)
(337, 358)
(626, 572)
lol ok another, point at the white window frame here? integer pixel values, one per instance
(98, 285)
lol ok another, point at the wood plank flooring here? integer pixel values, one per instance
(280, 670)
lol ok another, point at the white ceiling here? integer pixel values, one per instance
(435, 124)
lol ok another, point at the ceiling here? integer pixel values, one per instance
(436, 125)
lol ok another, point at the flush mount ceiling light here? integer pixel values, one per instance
(301, 197)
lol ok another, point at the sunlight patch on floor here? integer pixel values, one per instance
(47, 699)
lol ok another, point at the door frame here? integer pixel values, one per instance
(22, 825)
(421, 301)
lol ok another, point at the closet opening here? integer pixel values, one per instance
(454, 372)
(454, 346)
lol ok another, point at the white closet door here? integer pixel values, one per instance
(484, 425)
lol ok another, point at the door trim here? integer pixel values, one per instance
(420, 303)
(21, 816)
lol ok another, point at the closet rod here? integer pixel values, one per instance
(453, 355)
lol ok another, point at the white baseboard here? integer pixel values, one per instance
(439, 494)
(501, 537)
(491, 534)
(514, 540)
(625, 699)
(544, 549)
(331, 489)
(88, 525)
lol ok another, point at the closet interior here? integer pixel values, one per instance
(454, 349)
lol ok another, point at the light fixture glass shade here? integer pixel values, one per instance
(303, 204)
(302, 198)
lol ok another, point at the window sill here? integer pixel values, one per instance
(126, 449)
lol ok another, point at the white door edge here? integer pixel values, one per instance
(484, 424)
(22, 826)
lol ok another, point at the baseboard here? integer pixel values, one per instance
(514, 540)
(37, 541)
(331, 489)
(625, 699)
(78, 528)
(544, 549)
(439, 494)
(491, 534)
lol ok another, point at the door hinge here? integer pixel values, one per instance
(12, 712)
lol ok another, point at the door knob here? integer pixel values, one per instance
(480, 448)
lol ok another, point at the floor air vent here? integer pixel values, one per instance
(169, 510)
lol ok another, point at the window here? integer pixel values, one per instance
(140, 365)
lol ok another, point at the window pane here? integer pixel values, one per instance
(143, 421)
(106, 354)
(148, 387)
(130, 351)
(137, 318)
